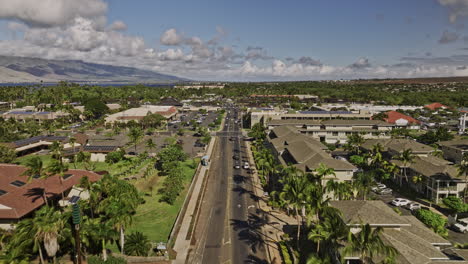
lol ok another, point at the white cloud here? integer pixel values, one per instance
(456, 8)
(361, 63)
(171, 38)
(171, 54)
(52, 12)
(118, 26)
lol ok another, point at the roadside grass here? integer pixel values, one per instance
(154, 218)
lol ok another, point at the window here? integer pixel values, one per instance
(2, 192)
(18, 183)
(66, 176)
(335, 134)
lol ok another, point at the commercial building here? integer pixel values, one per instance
(27, 114)
(337, 130)
(137, 114)
(306, 153)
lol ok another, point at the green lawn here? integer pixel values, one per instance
(155, 219)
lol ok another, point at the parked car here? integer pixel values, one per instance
(413, 206)
(236, 165)
(400, 202)
(461, 226)
(384, 191)
(246, 165)
(378, 187)
(235, 157)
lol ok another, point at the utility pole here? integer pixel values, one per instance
(76, 217)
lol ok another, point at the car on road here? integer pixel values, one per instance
(400, 202)
(246, 165)
(413, 206)
(384, 191)
(461, 226)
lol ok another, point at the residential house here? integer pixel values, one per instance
(402, 120)
(415, 243)
(19, 198)
(435, 106)
(454, 149)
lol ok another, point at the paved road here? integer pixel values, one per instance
(228, 229)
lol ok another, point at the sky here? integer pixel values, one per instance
(246, 40)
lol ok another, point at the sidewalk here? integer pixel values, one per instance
(271, 232)
(182, 244)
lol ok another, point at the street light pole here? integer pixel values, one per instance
(76, 217)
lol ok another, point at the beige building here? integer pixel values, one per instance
(337, 130)
(306, 153)
(415, 243)
(454, 149)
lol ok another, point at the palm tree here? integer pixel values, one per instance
(437, 152)
(294, 194)
(363, 181)
(138, 244)
(367, 244)
(376, 155)
(59, 169)
(462, 170)
(354, 143)
(407, 157)
(150, 144)
(135, 135)
(56, 149)
(35, 169)
(332, 230)
(72, 141)
(341, 190)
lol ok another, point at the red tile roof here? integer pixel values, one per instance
(435, 106)
(393, 116)
(27, 198)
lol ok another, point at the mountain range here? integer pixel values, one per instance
(24, 69)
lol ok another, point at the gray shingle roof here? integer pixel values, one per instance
(398, 145)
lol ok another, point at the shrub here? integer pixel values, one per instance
(114, 157)
(434, 221)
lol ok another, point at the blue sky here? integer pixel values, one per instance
(247, 40)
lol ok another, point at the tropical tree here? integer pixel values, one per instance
(138, 244)
(7, 155)
(35, 169)
(294, 194)
(150, 145)
(57, 168)
(135, 135)
(363, 181)
(354, 143)
(406, 157)
(367, 244)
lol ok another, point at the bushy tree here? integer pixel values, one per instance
(7, 155)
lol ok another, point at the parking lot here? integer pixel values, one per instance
(187, 117)
(454, 237)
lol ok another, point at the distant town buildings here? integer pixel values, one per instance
(28, 113)
(137, 114)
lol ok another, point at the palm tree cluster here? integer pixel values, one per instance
(49, 232)
(306, 196)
